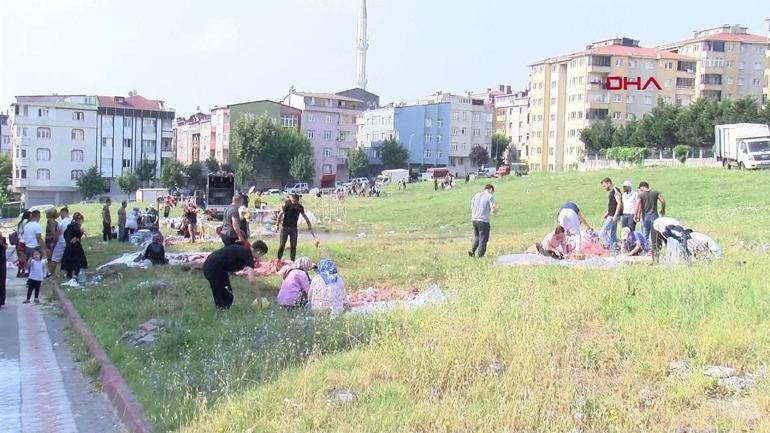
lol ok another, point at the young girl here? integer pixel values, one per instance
(36, 276)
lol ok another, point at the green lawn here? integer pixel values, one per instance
(579, 346)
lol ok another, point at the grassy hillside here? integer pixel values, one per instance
(515, 349)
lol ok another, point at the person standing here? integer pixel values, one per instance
(482, 204)
(36, 276)
(231, 223)
(570, 217)
(74, 258)
(191, 214)
(609, 230)
(231, 258)
(132, 223)
(3, 269)
(106, 221)
(647, 208)
(169, 202)
(122, 222)
(287, 223)
(435, 184)
(629, 197)
(58, 251)
(51, 234)
(21, 248)
(33, 238)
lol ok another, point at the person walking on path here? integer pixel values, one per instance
(232, 258)
(21, 248)
(3, 269)
(609, 230)
(106, 221)
(33, 238)
(482, 204)
(74, 258)
(36, 276)
(287, 223)
(629, 197)
(58, 250)
(122, 222)
(231, 233)
(647, 208)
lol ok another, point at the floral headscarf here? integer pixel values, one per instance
(303, 263)
(327, 271)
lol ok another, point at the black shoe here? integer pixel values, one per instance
(471, 254)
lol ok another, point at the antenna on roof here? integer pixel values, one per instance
(131, 93)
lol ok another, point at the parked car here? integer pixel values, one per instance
(298, 188)
(273, 191)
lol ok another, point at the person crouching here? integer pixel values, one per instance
(232, 258)
(295, 285)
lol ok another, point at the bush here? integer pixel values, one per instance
(681, 152)
(633, 155)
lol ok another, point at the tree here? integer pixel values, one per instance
(681, 152)
(129, 183)
(598, 135)
(146, 171)
(212, 165)
(478, 156)
(301, 168)
(394, 155)
(172, 174)
(358, 163)
(499, 143)
(195, 175)
(5, 171)
(91, 183)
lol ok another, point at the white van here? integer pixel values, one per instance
(298, 188)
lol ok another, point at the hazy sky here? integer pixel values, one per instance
(205, 53)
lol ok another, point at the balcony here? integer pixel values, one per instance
(23, 141)
(342, 160)
(20, 182)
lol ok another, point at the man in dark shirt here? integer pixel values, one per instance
(647, 208)
(232, 258)
(609, 230)
(231, 223)
(287, 223)
(106, 221)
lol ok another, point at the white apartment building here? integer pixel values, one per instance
(129, 130)
(5, 134)
(375, 127)
(54, 141)
(511, 120)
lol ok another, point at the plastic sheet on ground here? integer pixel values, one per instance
(528, 259)
(134, 260)
(433, 295)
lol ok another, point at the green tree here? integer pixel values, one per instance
(301, 168)
(358, 163)
(5, 171)
(196, 177)
(172, 174)
(499, 143)
(681, 152)
(212, 165)
(129, 183)
(598, 135)
(146, 171)
(394, 155)
(478, 156)
(91, 183)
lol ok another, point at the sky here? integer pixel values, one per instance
(197, 53)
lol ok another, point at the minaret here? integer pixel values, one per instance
(361, 46)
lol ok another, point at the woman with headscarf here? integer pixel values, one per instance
(295, 285)
(327, 290)
(74, 258)
(155, 251)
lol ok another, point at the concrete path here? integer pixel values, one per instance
(41, 388)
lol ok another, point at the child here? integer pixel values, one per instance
(36, 276)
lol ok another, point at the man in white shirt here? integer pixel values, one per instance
(629, 197)
(482, 204)
(32, 235)
(58, 250)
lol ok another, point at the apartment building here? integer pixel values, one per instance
(131, 129)
(766, 93)
(191, 138)
(512, 120)
(731, 62)
(568, 92)
(5, 134)
(55, 140)
(330, 123)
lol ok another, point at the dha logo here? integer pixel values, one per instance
(622, 83)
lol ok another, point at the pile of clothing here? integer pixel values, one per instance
(267, 268)
(378, 294)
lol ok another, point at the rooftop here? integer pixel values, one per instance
(136, 102)
(621, 46)
(724, 33)
(327, 96)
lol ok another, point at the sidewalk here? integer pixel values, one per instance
(41, 388)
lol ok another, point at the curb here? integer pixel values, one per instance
(129, 410)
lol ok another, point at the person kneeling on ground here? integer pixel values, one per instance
(327, 290)
(295, 285)
(554, 244)
(155, 251)
(232, 258)
(633, 243)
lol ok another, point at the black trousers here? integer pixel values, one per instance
(480, 237)
(227, 240)
(221, 290)
(2, 284)
(106, 231)
(33, 285)
(289, 233)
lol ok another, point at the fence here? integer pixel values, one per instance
(605, 164)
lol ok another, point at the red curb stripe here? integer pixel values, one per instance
(129, 409)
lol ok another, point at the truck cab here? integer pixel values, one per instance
(742, 145)
(220, 190)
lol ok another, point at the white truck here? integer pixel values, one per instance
(742, 145)
(393, 176)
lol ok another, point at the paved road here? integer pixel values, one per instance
(41, 388)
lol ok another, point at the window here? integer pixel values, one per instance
(428, 138)
(22, 173)
(128, 122)
(465, 115)
(553, 84)
(43, 174)
(462, 131)
(148, 146)
(649, 65)
(632, 64)
(106, 141)
(667, 83)
(327, 169)
(630, 99)
(757, 66)
(456, 115)
(551, 134)
(729, 80)
(428, 123)
(126, 163)
(107, 121)
(311, 117)
(619, 61)
(438, 139)
(618, 98)
(553, 101)
(439, 154)
(21, 153)
(76, 174)
(288, 121)
(741, 65)
(76, 155)
(127, 143)
(648, 100)
(476, 117)
(44, 133)
(310, 134)
(327, 152)
(42, 112)
(21, 131)
(78, 115)
(439, 122)
(78, 135)
(616, 115)
(149, 125)
(455, 130)
(327, 135)
(328, 118)
(428, 153)
(328, 102)
(729, 47)
(740, 81)
(43, 154)
(755, 82)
